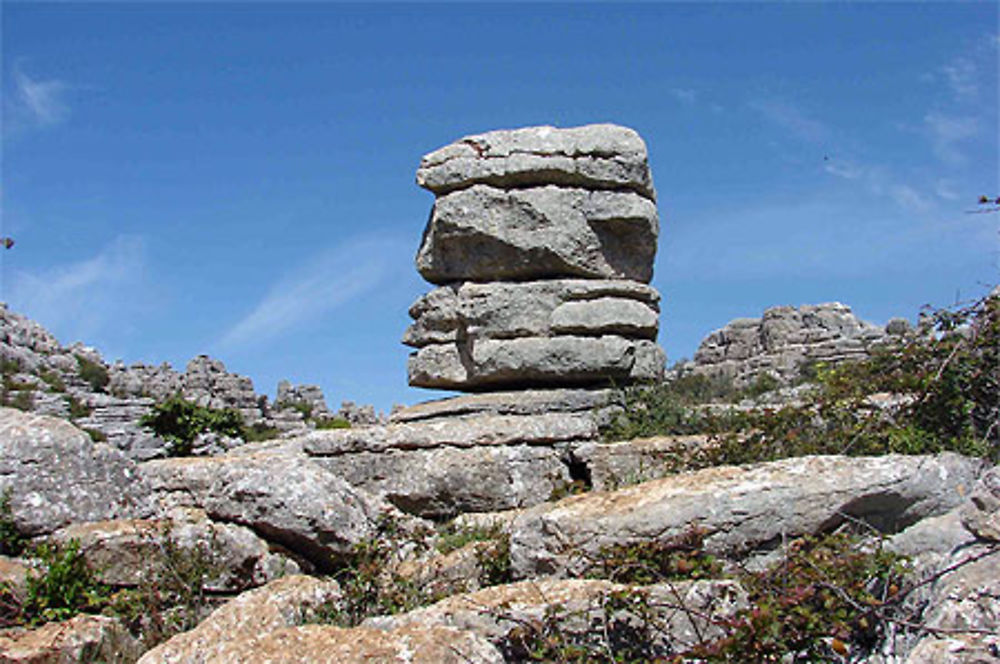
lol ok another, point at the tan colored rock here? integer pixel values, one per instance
(234, 629)
(14, 573)
(84, 638)
(619, 464)
(325, 644)
(744, 508)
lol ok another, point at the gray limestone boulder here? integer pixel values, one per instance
(599, 156)
(57, 475)
(520, 402)
(283, 496)
(485, 234)
(503, 310)
(744, 509)
(561, 361)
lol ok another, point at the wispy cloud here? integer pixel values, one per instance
(310, 292)
(34, 103)
(947, 133)
(791, 119)
(78, 300)
(684, 95)
(962, 77)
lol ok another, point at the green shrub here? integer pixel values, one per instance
(332, 423)
(452, 537)
(78, 409)
(259, 431)
(66, 586)
(22, 400)
(53, 380)
(170, 598)
(9, 367)
(302, 407)
(179, 422)
(11, 540)
(95, 435)
(656, 561)
(94, 373)
(829, 591)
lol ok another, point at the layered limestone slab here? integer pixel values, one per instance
(535, 361)
(488, 234)
(520, 402)
(504, 310)
(600, 156)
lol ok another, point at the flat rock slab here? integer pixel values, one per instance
(520, 402)
(462, 432)
(504, 310)
(600, 156)
(83, 638)
(57, 475)
(564, 361)
(489, 234)
(743, 508)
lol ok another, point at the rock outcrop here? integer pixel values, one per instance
(785, 340)
(542, 241)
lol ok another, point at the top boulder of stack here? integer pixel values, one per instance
(599, 156)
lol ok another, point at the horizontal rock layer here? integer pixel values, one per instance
(504, 310)
(535, 361)
(601, 156)
(520, 402)
(488, 234)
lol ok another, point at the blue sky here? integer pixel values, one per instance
(238, 179)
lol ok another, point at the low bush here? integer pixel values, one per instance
(94, 373)
(656, 561)
(65, 587)
(179, 422)
(12, 542)
(332, 423)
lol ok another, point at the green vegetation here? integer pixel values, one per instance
(78, 409)
(332, 423)
(94, 373)
(179, 422)
(95, 435)
(66, 586)
(258, 431)
(11, 540)
(830, 595)
(654, 561)
(937, 391)
(171, 597)
(53, 380)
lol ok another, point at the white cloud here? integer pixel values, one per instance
(946, 134)
(34, 103)
(961, 75)
(685, 95)
(312, 291)
(78, 300)
(791, 119)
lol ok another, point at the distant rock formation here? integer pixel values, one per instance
(40, 375)
(785, 340)
(542, 241)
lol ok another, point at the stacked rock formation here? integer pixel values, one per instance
(542, 243)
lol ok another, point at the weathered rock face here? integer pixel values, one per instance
(83, 638)
(545, 238)
(785, 339)
(484, 233)
(743, 508)
(57, 475)
(282, 496)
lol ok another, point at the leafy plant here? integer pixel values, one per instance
(66, 586)
(94, 373)
(656, 561)
(259, 431)
(53, 380)
(78, 409)
(179, 422)
(95, 435)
